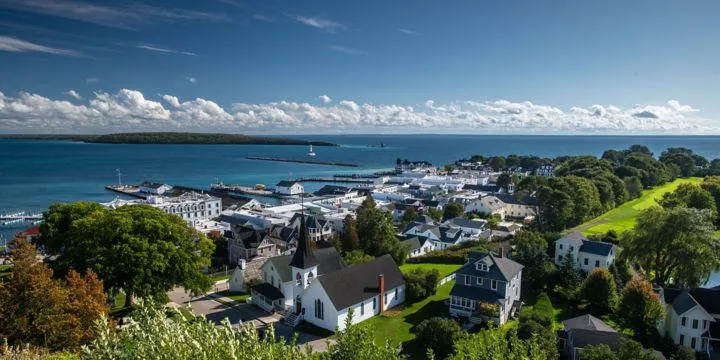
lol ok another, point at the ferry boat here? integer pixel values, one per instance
(311, 152)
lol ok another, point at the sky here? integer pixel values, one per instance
(285, 67)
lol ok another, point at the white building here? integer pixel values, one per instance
(692, 318)
(418, 246)
(154, 188)
(289, 188)
(191, 207)
(588, 254)
(505, 205)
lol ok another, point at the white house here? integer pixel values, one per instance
(588, 254)
(692, 318)
(316, 287)
(289, 188)
(418, 246)
(486, 279)
(154, 188)
(440, 236)
(490, 205)
(471, 227)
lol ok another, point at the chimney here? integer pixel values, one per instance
(381, 289)
(501, 251)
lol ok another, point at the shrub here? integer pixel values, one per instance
(452, 255)
(438, 335)
(421, 283)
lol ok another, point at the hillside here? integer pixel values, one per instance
(170, 138)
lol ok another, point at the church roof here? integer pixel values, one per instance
(303, 257)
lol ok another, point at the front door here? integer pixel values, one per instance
(298, 306)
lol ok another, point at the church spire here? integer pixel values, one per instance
(303, 257)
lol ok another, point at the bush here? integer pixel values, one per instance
(453, 255)
(421, 283)
(439, 335)
(599, 291)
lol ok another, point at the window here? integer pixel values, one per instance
(683, 321)
(693, 342)
(468, 281)
(479, 281)
(695, 324)
(704, 324)
(559, 257)
(561, 246)
(396, 293)
(586, 261)
(310, 278)
(597, 263)
(362, 308)
(374, 303)
(493, 284)
(319, 309)
(572, 248)
(482, 267)
(682, 340)
(385, 298)
(298, 279)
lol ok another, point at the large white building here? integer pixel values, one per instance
(191, 207)
(289, 188)
(588, 254)
(692, 318)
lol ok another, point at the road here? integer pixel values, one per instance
(216, 312)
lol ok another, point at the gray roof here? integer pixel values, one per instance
(328, 258)
(519, 200)
(587, 322)
(575, 237)
(500, 268)
(424, 219)
(684, 300)
(303, 257)
(270, 292)
(475, 293)
(445, 234)
(359, 282)
(588, 246)
(413, 243)
(473, 224)
(584, 337)
(286, 183)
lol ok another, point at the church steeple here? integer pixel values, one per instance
(303, 257)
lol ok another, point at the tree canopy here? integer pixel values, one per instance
(376, 232)
(138, 248)
(641, 307)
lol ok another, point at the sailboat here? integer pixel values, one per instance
(311, 152)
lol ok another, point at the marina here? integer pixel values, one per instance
(19, 218)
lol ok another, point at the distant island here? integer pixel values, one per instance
(169, 138)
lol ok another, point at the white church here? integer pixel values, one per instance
(315, 286)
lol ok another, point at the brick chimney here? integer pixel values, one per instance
(381, 289)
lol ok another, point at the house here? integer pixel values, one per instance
(487, 287)
(545, 170)
(289, 188)
(692, 318)
(489, 205)
(333, 190)
(315, 286)
(471, 227)
(588, 254)
(398, 210)
(587, 330)
(30, 235)
(440, 236)
(154, 188)
(417, 246)
(518, 206)
(319, 228)
(246, 243)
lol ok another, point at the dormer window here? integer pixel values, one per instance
(482, 266)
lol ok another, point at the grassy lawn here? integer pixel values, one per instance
(220, 277)
(239, 297)
(622, 218)
(444, 269)
(396, 325)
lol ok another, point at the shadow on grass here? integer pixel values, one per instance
(414, 348)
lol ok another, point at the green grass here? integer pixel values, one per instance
(444, 269)
(239, 297)
(396, 326)
(120, 300)
(622, 218)
(217, 278)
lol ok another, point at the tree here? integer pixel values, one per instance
(356, 257)
(497, 343)
(493, 221)
(36, 309)
(683, 353)
(421, 283)
(435, 213)
(537, 325)
(631, 349)
(640, 307)
(376, 232)
(691, 196)
(503, 181)
(452, 210)
(349, 240)
(438, 335)
(676, 245)
(409, 215)
(497, 163)
(555, 209)
(599, 291)
(680, 157)
(531, 251)
(569, 276)
(139, 249)
(597, 352)
(634, 186)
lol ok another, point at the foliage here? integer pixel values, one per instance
(139, 249)
(597, 352)
(683, 158)
(496, 343)
(628, 349)
(349, 240)
(531, 251)
(356, 257)
(456, 254)
(691, 196)
(434, 213)
(220, 254)
(676, 245)
(568, 276)
(538, 324)
(176, 138)
(439, 335)
(633, 186)
(683, 353)
(421, 283)
(493, 221)
(26, 352)
(36, 309)
(640, 307)
(376, 232)
(599, 291)
(452, 210)
(356, 343)
(409, 215)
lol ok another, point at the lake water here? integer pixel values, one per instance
(35, 174)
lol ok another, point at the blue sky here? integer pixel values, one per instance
(414, 66)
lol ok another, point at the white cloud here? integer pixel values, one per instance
(320, 23)
(12, 44)
(130, 110)
(92, 80)
(191, 79)
(162, 50)
(345, 50)
(408, 32)
(73, 94)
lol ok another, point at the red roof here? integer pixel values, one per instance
(35, 230)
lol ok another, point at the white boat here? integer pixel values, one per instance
(311, 152)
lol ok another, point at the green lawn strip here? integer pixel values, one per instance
(396, 326)
(239, 297)
(216, 278)
(444, 269)
(120, 300)
(622, 218)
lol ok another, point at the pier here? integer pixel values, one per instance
(128, 190)
(337, 179)
(12, 218)
(302, 161)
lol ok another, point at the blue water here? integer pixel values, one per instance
(34, 174)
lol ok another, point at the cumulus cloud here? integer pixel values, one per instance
(163, 50)
(320, 23)
(131, 110)
(74, 94)
(12, 44)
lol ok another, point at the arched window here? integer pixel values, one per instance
(310, 278)
(298, 279)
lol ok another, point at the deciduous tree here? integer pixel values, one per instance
(640, 307)
(349, 240)
(452, 210)
(439, 335)
(599, 291)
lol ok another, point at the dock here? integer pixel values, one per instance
(337, 179)
(302, 161)
(128, 190)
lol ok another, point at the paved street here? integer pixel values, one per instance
(216, 312)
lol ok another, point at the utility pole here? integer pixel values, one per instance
(119, 177)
